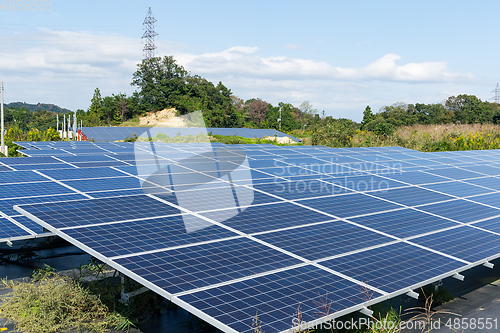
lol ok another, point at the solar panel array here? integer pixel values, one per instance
(228, 232)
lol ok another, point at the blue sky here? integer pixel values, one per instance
(338, 55)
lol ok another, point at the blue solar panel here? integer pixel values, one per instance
(28, 223)
(391, 266)
(324, 240)
(484, 169)
(301, 189)
(365, 183)
(51, 166)
(458, 189)
(117, 193)
(349, 205)
(416, 178)
(31, 160)
(87, 158)
(198, 266)
(7, 204)
(20, 177)
(106, 184)
(267, 217)
(489, 182)
(145, 235)
(411, 196)
(455, 173)
(275, 298)
(219, 198)
(461, 210)
(404, 223)
(32, 189)
(9, 229)
(464, 242)
(70, 213)
(98, 164)
(68, 174)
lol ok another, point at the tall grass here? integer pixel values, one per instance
(431, 138)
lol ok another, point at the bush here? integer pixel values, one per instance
(380, 127)
(54, 303)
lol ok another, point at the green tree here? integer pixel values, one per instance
(161, 82)
(367, 116)
(95, 109)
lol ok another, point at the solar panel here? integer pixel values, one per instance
(458, 189)
(349, 205)
(411, 196)
(464, 242)
(324, 240)
(404, 223)
(390, 266)
(461, 210)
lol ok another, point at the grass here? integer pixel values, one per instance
(53, 304)
(431, 138)
(49, 302)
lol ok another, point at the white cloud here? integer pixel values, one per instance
(244, 61)
(64, 68)
(293, 47)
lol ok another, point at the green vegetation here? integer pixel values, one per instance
(427, 138)
(15, 134)
(53, 304)
(202, 138)
(36, 107)
(463, 122)
(50, 302)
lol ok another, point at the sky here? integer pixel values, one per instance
(340, 56)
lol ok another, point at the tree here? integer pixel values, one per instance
(307, 112)
(121, 108)
(95, 109)
(257, 110)
(367, 116)
(161, 82)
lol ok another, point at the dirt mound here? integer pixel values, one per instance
(163, 118)
(283, 139)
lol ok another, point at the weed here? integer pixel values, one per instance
(55, 303)
(257, 324)
(425, 313)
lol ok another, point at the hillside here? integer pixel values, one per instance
(37, 107)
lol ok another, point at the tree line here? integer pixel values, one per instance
(162, 83)
(461, 109)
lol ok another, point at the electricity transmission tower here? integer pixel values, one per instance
(496, 98)
(149, 35)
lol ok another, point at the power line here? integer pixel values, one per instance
(149, 35)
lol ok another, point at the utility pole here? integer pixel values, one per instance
(279, 119)
(63, 129)
(57, 124)
(74, 127)
(3, 130)
(149, 35)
